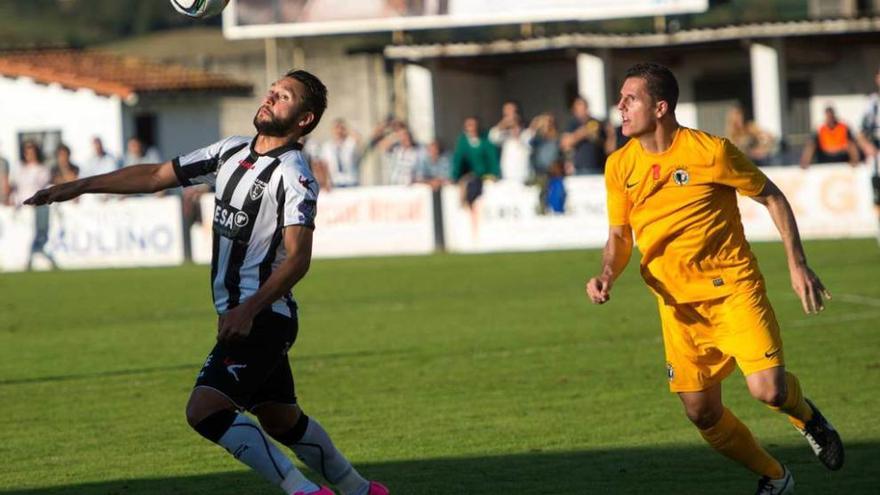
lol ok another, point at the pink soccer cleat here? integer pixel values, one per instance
(377, 488)
(323, 491)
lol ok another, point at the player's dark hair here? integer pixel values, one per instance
(315, 99)
(661, 83)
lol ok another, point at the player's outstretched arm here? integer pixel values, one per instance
(805, 283)
(615, 257)
(236, 323)
(135, 179)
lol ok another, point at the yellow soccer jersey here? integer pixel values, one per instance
(681, 204)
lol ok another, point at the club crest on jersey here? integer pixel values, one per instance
(681, 177)
(257, 189)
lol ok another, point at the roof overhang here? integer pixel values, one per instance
(588, 41)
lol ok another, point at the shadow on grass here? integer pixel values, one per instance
(662, 470)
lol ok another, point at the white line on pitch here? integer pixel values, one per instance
(828, 321)
(859, 299)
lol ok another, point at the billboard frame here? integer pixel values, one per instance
(621, 9)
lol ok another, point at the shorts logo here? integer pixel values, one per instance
(771, 354)
(718, 282)
(670, 373)
(232, 367)
(681, 177)
(257, 189)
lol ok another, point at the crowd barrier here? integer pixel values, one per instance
(829, 202)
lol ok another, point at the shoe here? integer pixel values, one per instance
(824, 439)
(769, 486)
(322, 491)
(377, 488)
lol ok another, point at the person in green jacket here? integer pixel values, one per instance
(475, 159)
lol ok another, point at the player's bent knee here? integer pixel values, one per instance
(702, 416)
(215, 425)
(291, 435)
(203, 403)
(770, 395)
(277, 419)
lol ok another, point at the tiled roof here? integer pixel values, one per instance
(108, 74)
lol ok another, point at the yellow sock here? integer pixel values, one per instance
(732, 438)
(797, 409)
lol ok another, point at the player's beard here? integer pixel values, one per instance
(274, 126)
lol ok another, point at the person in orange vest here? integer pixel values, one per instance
(832, 143)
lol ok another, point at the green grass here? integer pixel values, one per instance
(444, 374)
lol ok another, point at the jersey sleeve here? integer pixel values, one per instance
(299, 194)
(199, 166)
(617, 200)
(733, 168)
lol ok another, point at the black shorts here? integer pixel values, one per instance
(255, 370)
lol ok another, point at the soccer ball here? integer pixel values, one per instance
(199, 8)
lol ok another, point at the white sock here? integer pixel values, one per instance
(317, 451)
(247, 443)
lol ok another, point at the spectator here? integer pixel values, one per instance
(544, 143)
(756, 143)
(870, 140)
(433, 167)
(585, 137)
(4, 182)
(402, 155)
(135, 153)
(509, 135)
(475, 159)
(341, 155)
(832, 143)
(63, 170)
(374, 164)
(545, 153)
(101, 163)
(555, 195)
(33, 176)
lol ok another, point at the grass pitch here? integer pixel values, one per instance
(487, 374)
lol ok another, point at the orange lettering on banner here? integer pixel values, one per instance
(342, 214)
(838, 193)
(384, 211)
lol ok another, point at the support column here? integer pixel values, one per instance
(769, 92)
(271, 49)
(420, 102)
(593, 83)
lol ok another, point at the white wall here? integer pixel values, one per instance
(79, 115)
(184, 122)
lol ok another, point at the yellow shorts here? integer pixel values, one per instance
(705, 340)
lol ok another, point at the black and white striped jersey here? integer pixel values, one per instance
(256, 196)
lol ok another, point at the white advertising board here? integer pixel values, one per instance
(506, 218)
(283, 18)
(365, 221)
(829, 201)
(96, 232)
